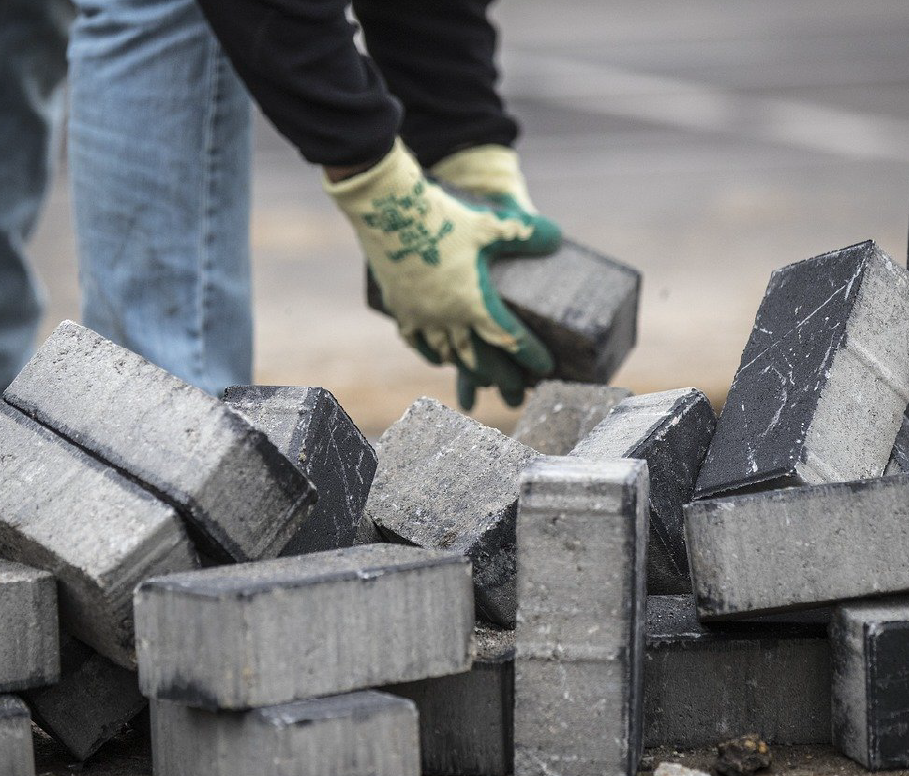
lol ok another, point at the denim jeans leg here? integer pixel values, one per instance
(32, 69)
(159, 144)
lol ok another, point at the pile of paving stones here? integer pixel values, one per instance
(623, 571)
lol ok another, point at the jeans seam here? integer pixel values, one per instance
(208, 152)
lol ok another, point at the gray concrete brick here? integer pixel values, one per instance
(799, 547)
(824, 379)
(671, 430)
(582, 304)
(90, 704)
(558, 415)
(582, 540)
(703, 685)
(899, 456)
(17, 753)
(29, 639)
(311, 429)
(445, 481)
(263, 633)
(467, 720)
(361, 734)
(99, 533)
(242, 499)
(871, 683)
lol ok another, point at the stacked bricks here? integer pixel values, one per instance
(558, 415)
(446, 482)
(188, 448)
(99, 533)
(361, 734)
(670, 430)
(870, 642)
(705, 685)
(582, 305)
(90, 704)
(17, 755)
(262, 654)
(824, 379)
(800, 547)
(29, 639)
(580, 634)
(467, 720)
(310, 428)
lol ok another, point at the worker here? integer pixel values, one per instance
(424, 99)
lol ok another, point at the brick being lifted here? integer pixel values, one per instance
(824, 379)
(241, 498)
(581, 304)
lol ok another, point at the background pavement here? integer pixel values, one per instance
(704, 142)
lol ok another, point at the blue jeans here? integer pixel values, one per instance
(159, 152)
(32, 68)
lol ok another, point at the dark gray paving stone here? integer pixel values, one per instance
(704, 685)
(311, 429)
(800, 547)
(29, 638)
(871, 682)
(824, 379)
(581, 304)
(582, 530)
(671, 430)
(90, 704)
(258, 634)
(242, 499)
(17, 753)
(447, 482)
(97, 532)
(467, 720)
(361, 734)
(558, 415)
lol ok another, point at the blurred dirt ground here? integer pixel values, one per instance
(704, 142)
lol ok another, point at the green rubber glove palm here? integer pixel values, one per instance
(493, 172)
(429, 254)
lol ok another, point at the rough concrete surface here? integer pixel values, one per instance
(90, 704)
(29, 631)
(467, 720)
(242, 499)
(559, 414)
(870, 642)
(582, 538)
(17, 757)
(704, 685)
(444, 481)
(360, 734)
(311, 429)
(259, 634)
(97, 532)
(671, 430)
(799, 547)
(824, 379)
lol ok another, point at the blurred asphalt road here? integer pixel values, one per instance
(704, 142)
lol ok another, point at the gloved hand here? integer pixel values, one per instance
(492, 172)
(429, 254)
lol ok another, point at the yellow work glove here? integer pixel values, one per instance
(428, 253)
(492, 172)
